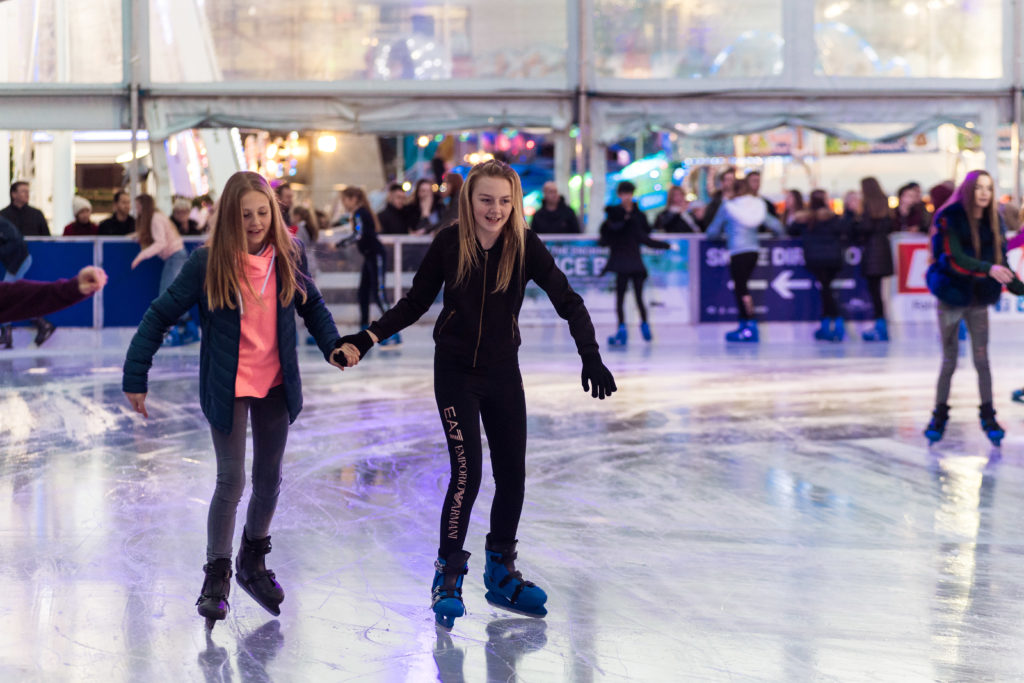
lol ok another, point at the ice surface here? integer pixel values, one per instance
(768, 513)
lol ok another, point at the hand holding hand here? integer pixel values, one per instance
(138, 402)
(91, 279)
(351, 346)
(597, 379)
(1001, 274)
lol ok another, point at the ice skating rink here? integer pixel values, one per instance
(765, 513)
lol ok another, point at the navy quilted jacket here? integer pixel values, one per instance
(218, 350)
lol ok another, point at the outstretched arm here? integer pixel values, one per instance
(26, 299)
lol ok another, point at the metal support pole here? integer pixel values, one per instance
(583, 20)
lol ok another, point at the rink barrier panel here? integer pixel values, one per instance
(128, 293)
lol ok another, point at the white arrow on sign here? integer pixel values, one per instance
(784, 284)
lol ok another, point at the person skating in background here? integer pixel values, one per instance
(249, 280)
(724, 184)
(554, 217)
(372, 280)
(967, 276)
(82, 225)
(624, 229)
(738, 221)
(121, 222)
(676, 217)
(872, 228)
(25, 299)
(157, 236)
(754, 183)
(1016, 243)
(307, 230)
(824, 236)
(15, 260)
(483, 264)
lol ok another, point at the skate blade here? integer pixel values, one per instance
(444, 621)
(504, 604)
(275, 610)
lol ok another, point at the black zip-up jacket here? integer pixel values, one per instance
(478, 326)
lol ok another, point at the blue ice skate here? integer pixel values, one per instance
(1017, 396)
(446, 592)
(620, 337)
(645, 331)
(838, 330)
(394, 340)
(824, 333)
(505, 585)
(878, 333)
(992, 429)
(746, 332)
(937, 427)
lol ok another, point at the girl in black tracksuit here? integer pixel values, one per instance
(366, 227)
(483, 262)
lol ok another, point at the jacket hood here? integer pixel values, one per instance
(748, 211)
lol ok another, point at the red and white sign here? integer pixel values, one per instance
(913, 259)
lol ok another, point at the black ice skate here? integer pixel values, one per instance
(253, 576)
(213, 598)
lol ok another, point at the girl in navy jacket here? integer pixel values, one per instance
(249, 281)
(967, 276)
(483, 263)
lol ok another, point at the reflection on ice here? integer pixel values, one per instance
(766, 513)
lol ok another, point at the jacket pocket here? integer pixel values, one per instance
(441, 326)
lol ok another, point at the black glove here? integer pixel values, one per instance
(597, 379)
(360, 340)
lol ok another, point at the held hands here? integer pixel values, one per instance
(91, 279)
(138, 402)
(351, 348)
(597, 379)
(1001, 274)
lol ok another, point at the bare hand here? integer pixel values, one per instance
(138, 402)
(136, 261)
(91, 280)
(346, 356)
(1001, 274)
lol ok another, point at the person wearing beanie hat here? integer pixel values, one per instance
(180, 211)
(82, 225)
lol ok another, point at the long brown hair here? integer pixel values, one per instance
(965, 196)
(514, 252)
(225, 268)
(144, 221)
(357, 193)
(874, 202)
(308, 215)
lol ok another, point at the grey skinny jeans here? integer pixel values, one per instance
(976, 318)
(269, 435)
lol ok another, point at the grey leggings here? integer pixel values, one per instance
(269, 434)
(976, 318)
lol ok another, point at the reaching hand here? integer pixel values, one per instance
(138, 402)
(1001, 274)
(597, 379)
(91, 280)
(352, 346)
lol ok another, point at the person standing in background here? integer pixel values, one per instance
(676, 217)
(180, 211)
(873, 227)
(554, 216)
(396, 218)
(82, 226)
(121, 222)
(285, 197)
(28, 219)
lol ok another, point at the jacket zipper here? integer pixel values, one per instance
(440, 329)
(483, 300)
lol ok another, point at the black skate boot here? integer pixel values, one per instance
(989, 425)
(253, 576)
(937, 427)
(213, 598)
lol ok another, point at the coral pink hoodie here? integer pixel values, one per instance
(259, 364)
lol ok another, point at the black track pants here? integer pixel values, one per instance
(465, 397)
(621, 285)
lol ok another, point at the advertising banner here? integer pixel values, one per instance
(666, 293)
(782, 287)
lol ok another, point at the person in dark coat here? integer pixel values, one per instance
(824, 236)
(912, 214)
(724, 191)
(121, 222)
(398, 217)
(624, 229)
(28, 219)
(15, 260)
(872, 229)
(554, 217)
(27, 298)
(676, 217)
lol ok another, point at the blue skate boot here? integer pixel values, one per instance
(1017, 396)
(173, 337)
(824, 333)
(937, 427)
(989, 425)
(505, 585)
(746, 332)
(620, 337)
(838, 330)
(645, 331)
(394, 340)
(191, 332)
(446, 591)
(879, 333)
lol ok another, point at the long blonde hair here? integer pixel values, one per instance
(514, 231)
(225, 268)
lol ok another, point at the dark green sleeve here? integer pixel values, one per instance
(961, 259)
